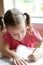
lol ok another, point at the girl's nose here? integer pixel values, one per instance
(20, 35)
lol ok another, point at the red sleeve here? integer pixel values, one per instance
(37, 35)
(5, 38)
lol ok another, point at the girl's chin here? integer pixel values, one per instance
(20, 39)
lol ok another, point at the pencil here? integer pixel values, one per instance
(38, 45)
(34, 50)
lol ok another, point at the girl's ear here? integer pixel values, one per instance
(4, 29)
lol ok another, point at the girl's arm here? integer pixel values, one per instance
(11, 54)
(7, 52)
(38, 53)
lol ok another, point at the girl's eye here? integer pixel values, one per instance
(14, 34)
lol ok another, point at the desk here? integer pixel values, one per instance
(22, 52)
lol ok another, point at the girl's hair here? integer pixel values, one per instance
(27, 19)
(12, 17)
(1, 23)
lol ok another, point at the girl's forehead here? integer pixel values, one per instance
(17, 27)
(20, 27)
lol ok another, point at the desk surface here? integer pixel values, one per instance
(6, 62)
(22, 50)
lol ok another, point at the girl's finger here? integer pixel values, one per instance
(18, 62)
(26, 59)
(23, 61)
(14, 61)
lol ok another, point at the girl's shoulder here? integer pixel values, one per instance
(6, 34)
(6, 37)
(37, 34)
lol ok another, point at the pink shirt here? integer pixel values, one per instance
(29, 40)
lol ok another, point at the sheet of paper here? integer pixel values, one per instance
(23, 51)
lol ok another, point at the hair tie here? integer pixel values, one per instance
(24, 16)
(3, 22)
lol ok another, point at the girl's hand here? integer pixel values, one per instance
(18, 61)
(31, 58)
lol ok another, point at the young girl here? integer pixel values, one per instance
(15, 28)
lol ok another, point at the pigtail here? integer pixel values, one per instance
(28, 23)
(27, 19)
(1, 23)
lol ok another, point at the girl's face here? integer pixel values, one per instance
(17, 32)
